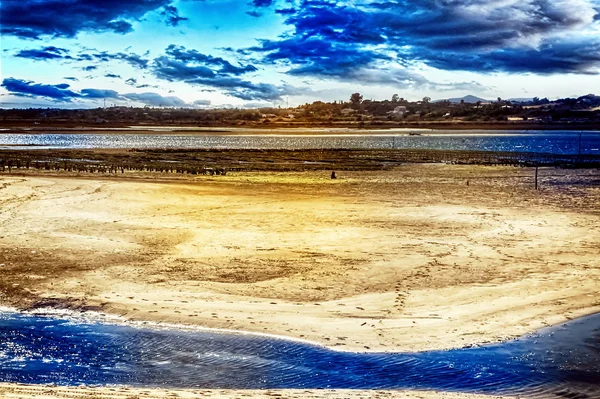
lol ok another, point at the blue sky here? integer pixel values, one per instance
(212, 53)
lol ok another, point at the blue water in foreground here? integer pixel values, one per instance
(556, 142)
(562, 361)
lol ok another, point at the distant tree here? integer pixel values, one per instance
(356, 99)
(426, 100)
(395, 98)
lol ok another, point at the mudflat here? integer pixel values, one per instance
(419, 257)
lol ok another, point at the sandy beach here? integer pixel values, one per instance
(420, 257)
(403, 260)
(14, 391)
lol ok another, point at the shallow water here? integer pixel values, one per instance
(557, 142)
(563, 361)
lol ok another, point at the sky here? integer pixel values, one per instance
(253, 53)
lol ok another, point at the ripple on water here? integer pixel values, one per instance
(557, 142)
(560, 362)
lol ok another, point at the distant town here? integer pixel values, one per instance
(466, 112)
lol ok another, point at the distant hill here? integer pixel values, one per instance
(590, 100)
(469, 99)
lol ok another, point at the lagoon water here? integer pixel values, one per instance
(557, 142)
(562, 361)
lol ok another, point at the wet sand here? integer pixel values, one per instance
(402, 260)
(14, 391)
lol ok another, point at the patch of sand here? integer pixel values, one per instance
(402, 260)
(18, 391)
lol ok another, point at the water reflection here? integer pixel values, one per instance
(559, 142)
(562, 361)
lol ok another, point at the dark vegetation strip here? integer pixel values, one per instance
(221, 161)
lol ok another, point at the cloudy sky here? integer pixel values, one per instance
(210, 53)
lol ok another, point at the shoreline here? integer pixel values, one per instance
(24, 391)
(304, 131)
(100, 390)
(87, 316)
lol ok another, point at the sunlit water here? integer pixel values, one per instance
(557, 142)
(563, 361)
(560, 362)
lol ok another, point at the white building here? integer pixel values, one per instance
(399, 111)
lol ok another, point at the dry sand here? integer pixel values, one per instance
(402, 260)
(410, 259)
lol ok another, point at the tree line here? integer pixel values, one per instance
(355, 109)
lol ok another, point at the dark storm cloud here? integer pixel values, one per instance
(237, 70)
(59, 92)
(343, 24)
(134, 83)
(99, 93)
(538, 36)
(172, 16)
(231, 85)
(472, 24)
(582, 58)
(180, 64)
(457, 23)
(247, 90)
(132, 59)
(285, 11)
(180, 53)
(172, 69)
(262, 3)
(43, 54)
(56, 53)
(33, 19)
(313, 56)
(148, 98)
(319, 47)
(120, 27)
